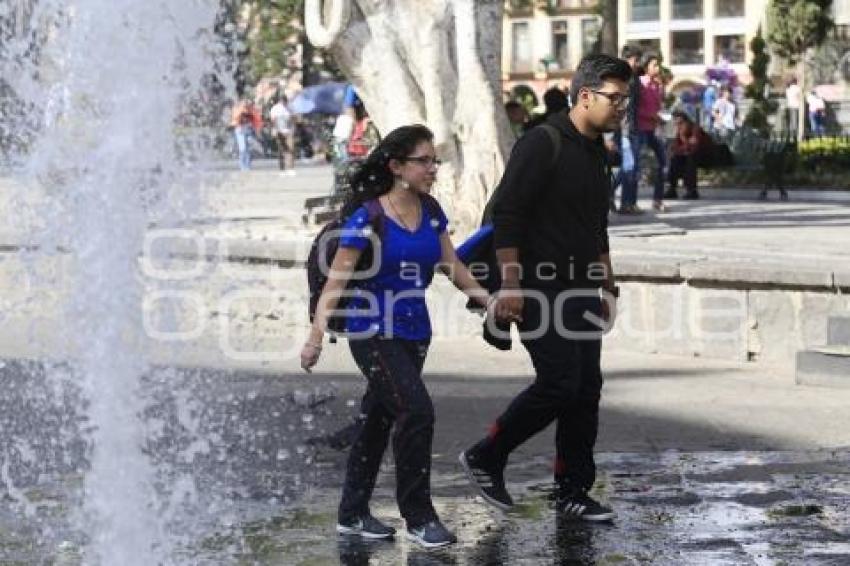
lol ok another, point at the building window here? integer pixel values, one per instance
(521, 43)
(645, 11)
(730, 48)
(646, 45)
(687, 10)
(561, 44)
(567, 4)
(589, 35)
(686, 48)
(520, 6)
(729, 8)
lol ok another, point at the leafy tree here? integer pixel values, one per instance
(794, 28)
(274, 35)
(758, 89)
(262, 36)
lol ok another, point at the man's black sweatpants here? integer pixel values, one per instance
(567, 388)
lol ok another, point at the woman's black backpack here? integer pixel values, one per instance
(321, 256)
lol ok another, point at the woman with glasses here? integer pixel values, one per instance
(388, 327)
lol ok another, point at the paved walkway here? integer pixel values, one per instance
(727, 236)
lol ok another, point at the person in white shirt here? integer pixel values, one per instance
(792, 102)
(724, 112)
(285, 133)
(817, 113)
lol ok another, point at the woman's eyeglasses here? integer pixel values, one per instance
(425, 160)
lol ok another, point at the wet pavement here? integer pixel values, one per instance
(246, 475)
(673, 508)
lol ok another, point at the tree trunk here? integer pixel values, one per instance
(803, 113)
(437, 63)
(608, 33)
(309, 74)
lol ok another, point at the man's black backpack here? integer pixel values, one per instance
(555, 137)
(485, 252)
(324, 248)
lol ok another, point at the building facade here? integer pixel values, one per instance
(543, 41)
(692, 35)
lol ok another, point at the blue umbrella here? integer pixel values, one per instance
(319, 99)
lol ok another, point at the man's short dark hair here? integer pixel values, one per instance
(555, 100)
(512, 104)
(630, 51)
(593, 70)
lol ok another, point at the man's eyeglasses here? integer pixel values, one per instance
(425, 160)
(615, 98)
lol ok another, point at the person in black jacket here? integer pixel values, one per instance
(555, 101)
(551, 223)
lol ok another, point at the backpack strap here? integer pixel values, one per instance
(375, 215)
(555, 136)
(373, 209)
(430, 204)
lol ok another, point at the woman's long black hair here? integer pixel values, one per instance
(372, 177)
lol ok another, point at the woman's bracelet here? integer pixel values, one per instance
(314, 345)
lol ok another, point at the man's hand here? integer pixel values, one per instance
(606, 311)
(609, 305)
(508, 307)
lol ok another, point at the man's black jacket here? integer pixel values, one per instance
(557, 215)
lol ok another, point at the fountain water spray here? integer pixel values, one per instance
(103, 93)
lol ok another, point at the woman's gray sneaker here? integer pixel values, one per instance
(431, 535)
(366, 527)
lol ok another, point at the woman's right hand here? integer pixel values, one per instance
(310, 353)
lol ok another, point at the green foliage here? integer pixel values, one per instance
(762, 106)
(261, 36)
(525, 96)
(794, 26)
(825, 154)
(274, 36)
(758, 66)
(757, 118)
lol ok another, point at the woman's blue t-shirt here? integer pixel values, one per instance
(391, 303)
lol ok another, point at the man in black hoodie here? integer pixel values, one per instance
(551, 239)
